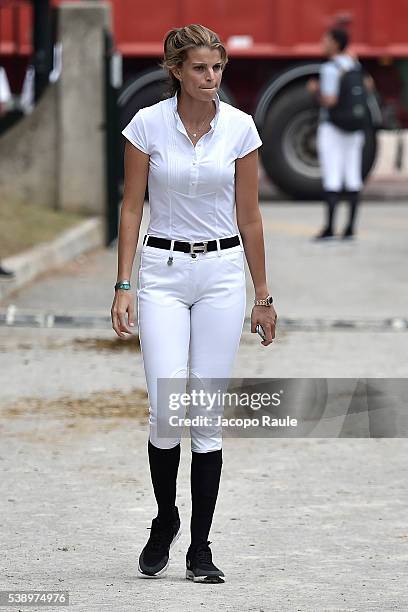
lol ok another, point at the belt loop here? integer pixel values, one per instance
(145, 239)
(240, 241)
(170, 259)
(218, 247)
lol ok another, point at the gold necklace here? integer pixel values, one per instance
(199, 128)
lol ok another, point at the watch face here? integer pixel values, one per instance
(269, 300)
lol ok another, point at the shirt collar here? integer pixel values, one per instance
(180, 125)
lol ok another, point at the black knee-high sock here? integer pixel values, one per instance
(164, 464)
(353, 199)
(205, 480)
(332, 198)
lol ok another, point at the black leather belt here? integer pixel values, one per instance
(191, 247)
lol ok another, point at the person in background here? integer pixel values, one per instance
(339, 151)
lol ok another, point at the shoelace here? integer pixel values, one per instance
(203, 553)
(156, 538)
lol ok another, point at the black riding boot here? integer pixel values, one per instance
(205, 480)
(164, 464)
(331, 199)
(353, 200)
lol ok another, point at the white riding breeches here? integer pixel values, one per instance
(191, 315)
(340, 156)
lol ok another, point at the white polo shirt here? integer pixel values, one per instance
(192, 189)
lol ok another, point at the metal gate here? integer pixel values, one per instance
(113, 82)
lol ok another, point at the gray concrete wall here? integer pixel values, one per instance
(28, 167)
(55, 157)
(80, 117)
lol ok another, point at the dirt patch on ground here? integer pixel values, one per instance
(132, 343)
(101, 405)
(107, 344)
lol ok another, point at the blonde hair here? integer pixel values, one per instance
(178, 41)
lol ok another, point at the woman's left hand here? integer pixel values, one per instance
(266, 317)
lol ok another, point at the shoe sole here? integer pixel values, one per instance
(160, 572)
(204, 579)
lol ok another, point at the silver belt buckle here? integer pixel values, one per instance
(198, 248)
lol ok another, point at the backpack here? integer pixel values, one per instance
(351, 111)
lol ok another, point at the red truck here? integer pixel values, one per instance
(274, 48)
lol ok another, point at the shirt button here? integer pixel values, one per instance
(193, 183)
(194, 163)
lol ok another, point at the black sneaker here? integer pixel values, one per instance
(325, 233)
(155, 557)
(200, 567)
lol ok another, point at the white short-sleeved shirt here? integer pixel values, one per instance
(192, 189)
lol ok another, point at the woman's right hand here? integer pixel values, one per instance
(123, 303)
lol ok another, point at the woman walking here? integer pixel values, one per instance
(199, 157)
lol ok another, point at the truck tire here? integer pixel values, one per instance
(289, 153)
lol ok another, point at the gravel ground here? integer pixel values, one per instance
(301, 524)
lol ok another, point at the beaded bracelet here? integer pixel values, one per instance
(123, 285)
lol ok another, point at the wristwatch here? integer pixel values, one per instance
(125, 284)
(264, 302)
